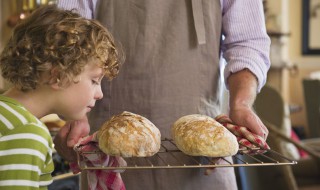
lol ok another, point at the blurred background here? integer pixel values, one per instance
(290, 101)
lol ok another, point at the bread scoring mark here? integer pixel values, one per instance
(129, 134)
(201, 135)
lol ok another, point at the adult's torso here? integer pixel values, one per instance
(166, 75)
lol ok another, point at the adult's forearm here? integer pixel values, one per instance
(243, 89)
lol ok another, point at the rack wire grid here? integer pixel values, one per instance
(170, 157)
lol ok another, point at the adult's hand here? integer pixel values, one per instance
(68, 136)
(243, 90)
(246, 117)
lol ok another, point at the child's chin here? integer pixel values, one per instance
(75, 117)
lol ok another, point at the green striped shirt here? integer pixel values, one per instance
(25, 148)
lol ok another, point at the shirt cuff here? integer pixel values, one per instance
(257, 67)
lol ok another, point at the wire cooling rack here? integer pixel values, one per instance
(170, 157)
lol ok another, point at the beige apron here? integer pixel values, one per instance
(171, 70)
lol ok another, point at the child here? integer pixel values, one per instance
(55, 61)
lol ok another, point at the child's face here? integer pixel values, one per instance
(78, 99)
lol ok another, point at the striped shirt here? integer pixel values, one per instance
(25, 148)
(245, 45)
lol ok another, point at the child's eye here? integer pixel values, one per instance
(95, 82)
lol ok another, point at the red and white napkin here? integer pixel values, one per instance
(99, 179)
(245, 137)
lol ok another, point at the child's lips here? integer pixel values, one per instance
(90, 107)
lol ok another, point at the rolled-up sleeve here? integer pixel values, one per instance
(246, 44)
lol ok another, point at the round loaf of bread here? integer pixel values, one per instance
(201, 135)
(129, 135)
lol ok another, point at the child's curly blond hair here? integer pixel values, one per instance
(60, 39)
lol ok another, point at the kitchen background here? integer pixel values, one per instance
(293, 63)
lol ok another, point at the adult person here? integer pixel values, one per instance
(174, 53)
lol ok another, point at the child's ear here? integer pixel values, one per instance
(55, 83)
(54, 80)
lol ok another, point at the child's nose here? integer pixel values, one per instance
(99, 93)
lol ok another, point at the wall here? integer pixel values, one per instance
(286, 17)
(6, 10)
(306, 64)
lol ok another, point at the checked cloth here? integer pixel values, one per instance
(246, 138)
(99, 179)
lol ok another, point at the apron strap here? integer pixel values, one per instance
(198, 21)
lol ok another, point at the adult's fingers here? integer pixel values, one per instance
(78, 129)
(213, 161)
(60, 142)
(247, 118)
